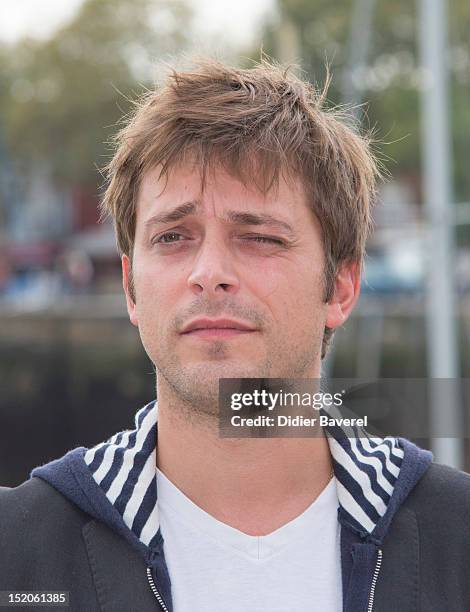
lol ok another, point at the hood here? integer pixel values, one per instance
(115, 481)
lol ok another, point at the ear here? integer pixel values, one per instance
(346, 292)
(126, 283)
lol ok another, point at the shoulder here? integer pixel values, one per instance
(443, 485)
(42, 544)
(34, 511)
(30, 497)
(441, 502)
(426, 552)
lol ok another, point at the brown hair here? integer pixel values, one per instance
(258, 124)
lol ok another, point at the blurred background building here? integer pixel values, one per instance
(72, 370)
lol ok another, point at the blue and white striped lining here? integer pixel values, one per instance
(366, 470)
(125, 468)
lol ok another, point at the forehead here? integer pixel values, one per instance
(221, 191)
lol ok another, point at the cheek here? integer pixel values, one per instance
(298, 296)
(284, 276)
(290, 281)
(151, 295)
(265, 280)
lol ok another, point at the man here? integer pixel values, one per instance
(241, 208)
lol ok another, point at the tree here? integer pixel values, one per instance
(66, 94)
(391, 84)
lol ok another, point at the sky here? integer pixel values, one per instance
(237, 19)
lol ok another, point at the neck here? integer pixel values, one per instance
(254, 485)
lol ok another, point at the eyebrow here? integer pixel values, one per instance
(245, 218)
(233, 216)
(181, 211)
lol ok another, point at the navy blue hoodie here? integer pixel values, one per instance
(115, 482)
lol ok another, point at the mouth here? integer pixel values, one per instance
(220, 328)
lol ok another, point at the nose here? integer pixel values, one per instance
(213, 271)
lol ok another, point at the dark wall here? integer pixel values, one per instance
(66, 383)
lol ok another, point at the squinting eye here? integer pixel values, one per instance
(265, 240)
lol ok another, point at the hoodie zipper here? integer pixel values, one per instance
(155, 590)
(370, 606)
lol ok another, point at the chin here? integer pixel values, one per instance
(210, 373)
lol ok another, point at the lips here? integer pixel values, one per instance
(217, 324)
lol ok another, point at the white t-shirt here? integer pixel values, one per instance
(216, 568)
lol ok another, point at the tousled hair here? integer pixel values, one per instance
(257, 124)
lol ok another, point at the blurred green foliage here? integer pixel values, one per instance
(61, 98)
(390, 86)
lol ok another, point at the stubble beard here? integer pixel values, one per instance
(194, 389)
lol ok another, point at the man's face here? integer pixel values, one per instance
(228, 282)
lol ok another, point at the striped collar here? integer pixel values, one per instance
(366, 471)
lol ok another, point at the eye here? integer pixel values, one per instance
(168, 238)
(265, 240)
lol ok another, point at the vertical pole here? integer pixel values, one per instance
(443, 363)
(358, 53)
